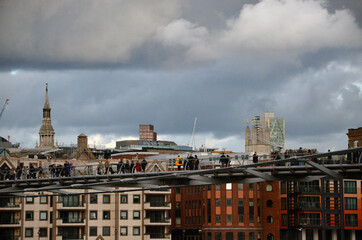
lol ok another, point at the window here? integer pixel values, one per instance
(229, 236)
(106, 231)
(136, 231)
(269, 219)
(93, 215)
(351, 220)
(124, 214)
(251, 236)
(229, 218)
(43, 215)
(93, 198)
(123, 231)
(283, 187)
(218, 236)
(106, 215)
(241, 236)
(258, 186)
(136, 215)
(136, 199)
(284, 219)
(217, 187)
(269, 204)
(29, 232)
(209, 236)
(29, 200)
(92, 231)
(229, 202)
(229, 186)
(240, 186)
(217, 218)
(283, 203)
(124, 199)
(217, 202)
(29, 215)
(71, 201)
(350, 203)
(43, 199)
(106, 198)
(43, 232)
(269, 188)
(350, 187)
(241, 210)
(251, 186)
(251, 210)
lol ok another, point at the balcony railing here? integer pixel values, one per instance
(309, 189)
(309, 205)
(310, 221)
(158, 220)
(9, 205)
(157, 235)
(9, 221)
(73, 220)
(65, 204)
(159, 204)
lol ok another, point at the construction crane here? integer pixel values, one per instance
(192, 140)
(2, 110)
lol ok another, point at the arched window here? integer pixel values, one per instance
(269, 188)
(269, 203)
(269, 219)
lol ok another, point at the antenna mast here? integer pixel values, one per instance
(2, 111)
(192, 141)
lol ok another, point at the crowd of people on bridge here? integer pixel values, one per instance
(190, 163)
(123, 166)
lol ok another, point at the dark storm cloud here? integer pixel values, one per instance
(221, 62)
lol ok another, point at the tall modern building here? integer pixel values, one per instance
(276, 128)
(266, 135)
(46, 132)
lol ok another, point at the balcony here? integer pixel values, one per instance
(6, 222)
(308, 205)
(310, 222)
(309, 189)
(62, 205)
(157, 221)
(71, 221)
(158, 205)
(156, 236)
(9, 205)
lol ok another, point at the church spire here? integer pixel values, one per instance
(46, 104)
(46, 132)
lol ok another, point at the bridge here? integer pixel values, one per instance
(347, 164)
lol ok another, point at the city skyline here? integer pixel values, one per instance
(221, 63)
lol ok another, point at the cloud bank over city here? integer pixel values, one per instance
(113, 65)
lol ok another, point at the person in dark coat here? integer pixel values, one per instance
(196, 163)
(223, 160)
(143, 165)
(190, 162)
(255, 158)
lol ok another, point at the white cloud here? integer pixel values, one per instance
(268, 27)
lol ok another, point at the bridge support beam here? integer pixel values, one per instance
(325, 170)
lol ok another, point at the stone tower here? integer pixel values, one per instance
(46, 132)
(83, 152)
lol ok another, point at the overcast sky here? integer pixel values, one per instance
(112, 65)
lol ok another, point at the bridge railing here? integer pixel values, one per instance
(106, 167)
